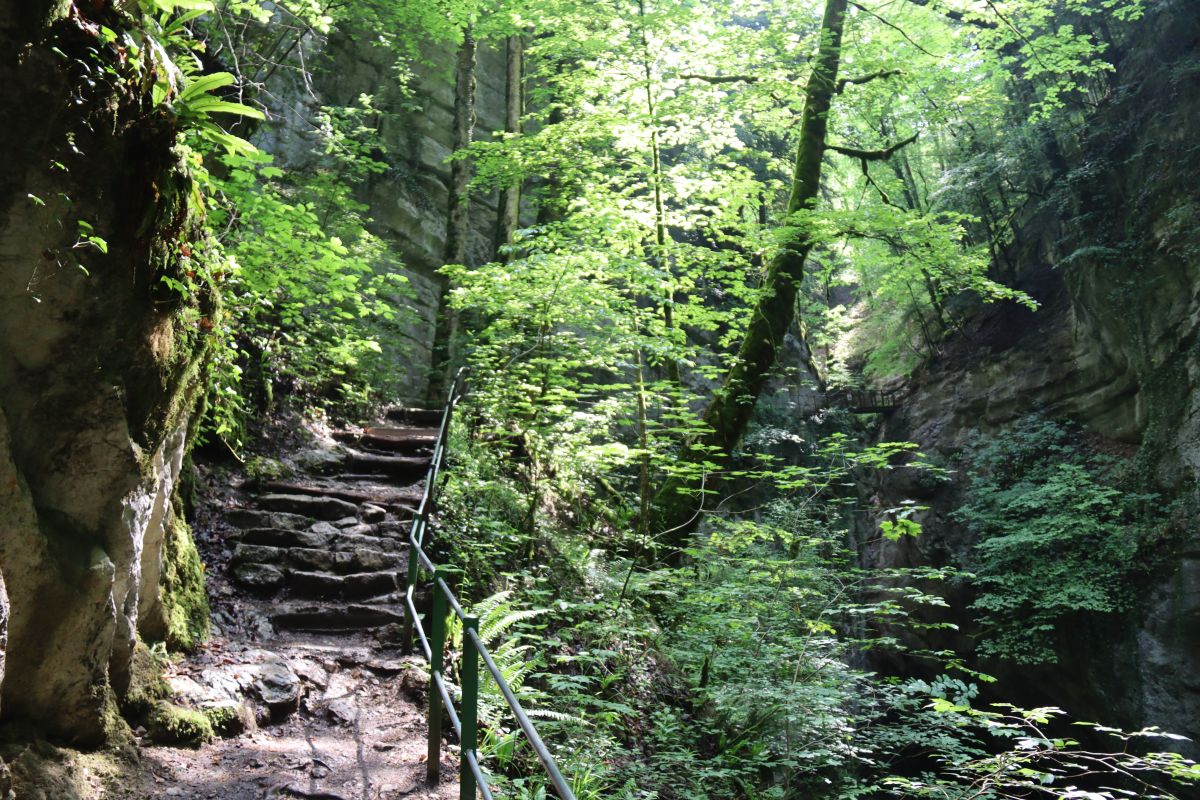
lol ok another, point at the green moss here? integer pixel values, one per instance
(185, 602)
(117, 735)
(146, 683)
(228, 720)
(171, 724)
(260, 469)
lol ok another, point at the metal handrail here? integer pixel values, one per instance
(472, 778)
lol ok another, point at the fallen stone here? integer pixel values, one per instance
(343, 710)
(318, 459)
(310, 672)
(414, 682)
(325, 528)
(279, 688)
(316, 507)
(230, 718)
(386, 666)
(372, 513)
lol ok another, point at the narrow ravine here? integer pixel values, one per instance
(305, 576)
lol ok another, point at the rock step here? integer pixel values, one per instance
(339, 541)
(379, 495)
(320, 507)
(391, 438)
(245, 518)
(316, 559)
(394, 466)
(344, 619)
(424, 417)
(355, 586)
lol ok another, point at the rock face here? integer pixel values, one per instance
(99, 368)
(409, 201)
(1115, 346)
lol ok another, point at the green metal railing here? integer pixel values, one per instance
(472, 779)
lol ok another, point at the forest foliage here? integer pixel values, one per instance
(655, 154)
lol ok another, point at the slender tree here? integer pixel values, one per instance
(509, 208)
(458, 213)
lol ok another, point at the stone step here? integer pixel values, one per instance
(425, 417)
(321, 507)
(357, 493)
(336, 619)
(354, 586)
(411, 467)
(317, 559)
(339, 541)
(391, 438)
(246, 518)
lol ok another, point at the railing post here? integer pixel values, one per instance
(406, 632)
(470, 709)
(437, 644)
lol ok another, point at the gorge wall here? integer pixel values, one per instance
(1113, 256)
(408, 202)
(100, 368)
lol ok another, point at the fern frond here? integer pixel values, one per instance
(491, 629)
(557, 716)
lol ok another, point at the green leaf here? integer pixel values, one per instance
(206, 84)
(211, 105)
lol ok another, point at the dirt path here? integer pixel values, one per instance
(305, 576)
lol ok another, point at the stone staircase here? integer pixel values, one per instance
(327, 548)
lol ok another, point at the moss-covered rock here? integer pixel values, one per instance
(184, 599)
(172, 725)
(146, 686)
(230, 719)
(99, 370)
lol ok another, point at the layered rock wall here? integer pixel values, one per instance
(99, 363)
(408, 202)
(1115, 346)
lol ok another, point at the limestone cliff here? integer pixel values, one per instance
(1114, 260)
(409, 202)
(99, 364)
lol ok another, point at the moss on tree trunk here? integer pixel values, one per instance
(728, 413)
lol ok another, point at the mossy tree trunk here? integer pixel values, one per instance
(728, 413)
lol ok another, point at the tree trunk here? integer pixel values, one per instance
(509, 210)
(661, 252)
(729, 411)
(458, 213)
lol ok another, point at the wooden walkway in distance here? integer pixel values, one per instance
(864, 401)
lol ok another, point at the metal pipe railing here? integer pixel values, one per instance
(472, 778)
